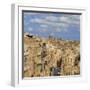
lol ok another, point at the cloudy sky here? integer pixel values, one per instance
(59, 25)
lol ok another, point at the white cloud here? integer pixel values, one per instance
(70, 19)
(43, 25)
(58, 26)
(61, 29)
(36, 20)
(52, 34)
(44, 30)
(51, 18)
(63, 19)
(59, 23)
(46, 22)
(30, 29)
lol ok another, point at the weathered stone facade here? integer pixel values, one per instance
(50, 57)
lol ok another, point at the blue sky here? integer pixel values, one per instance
(59, 25)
